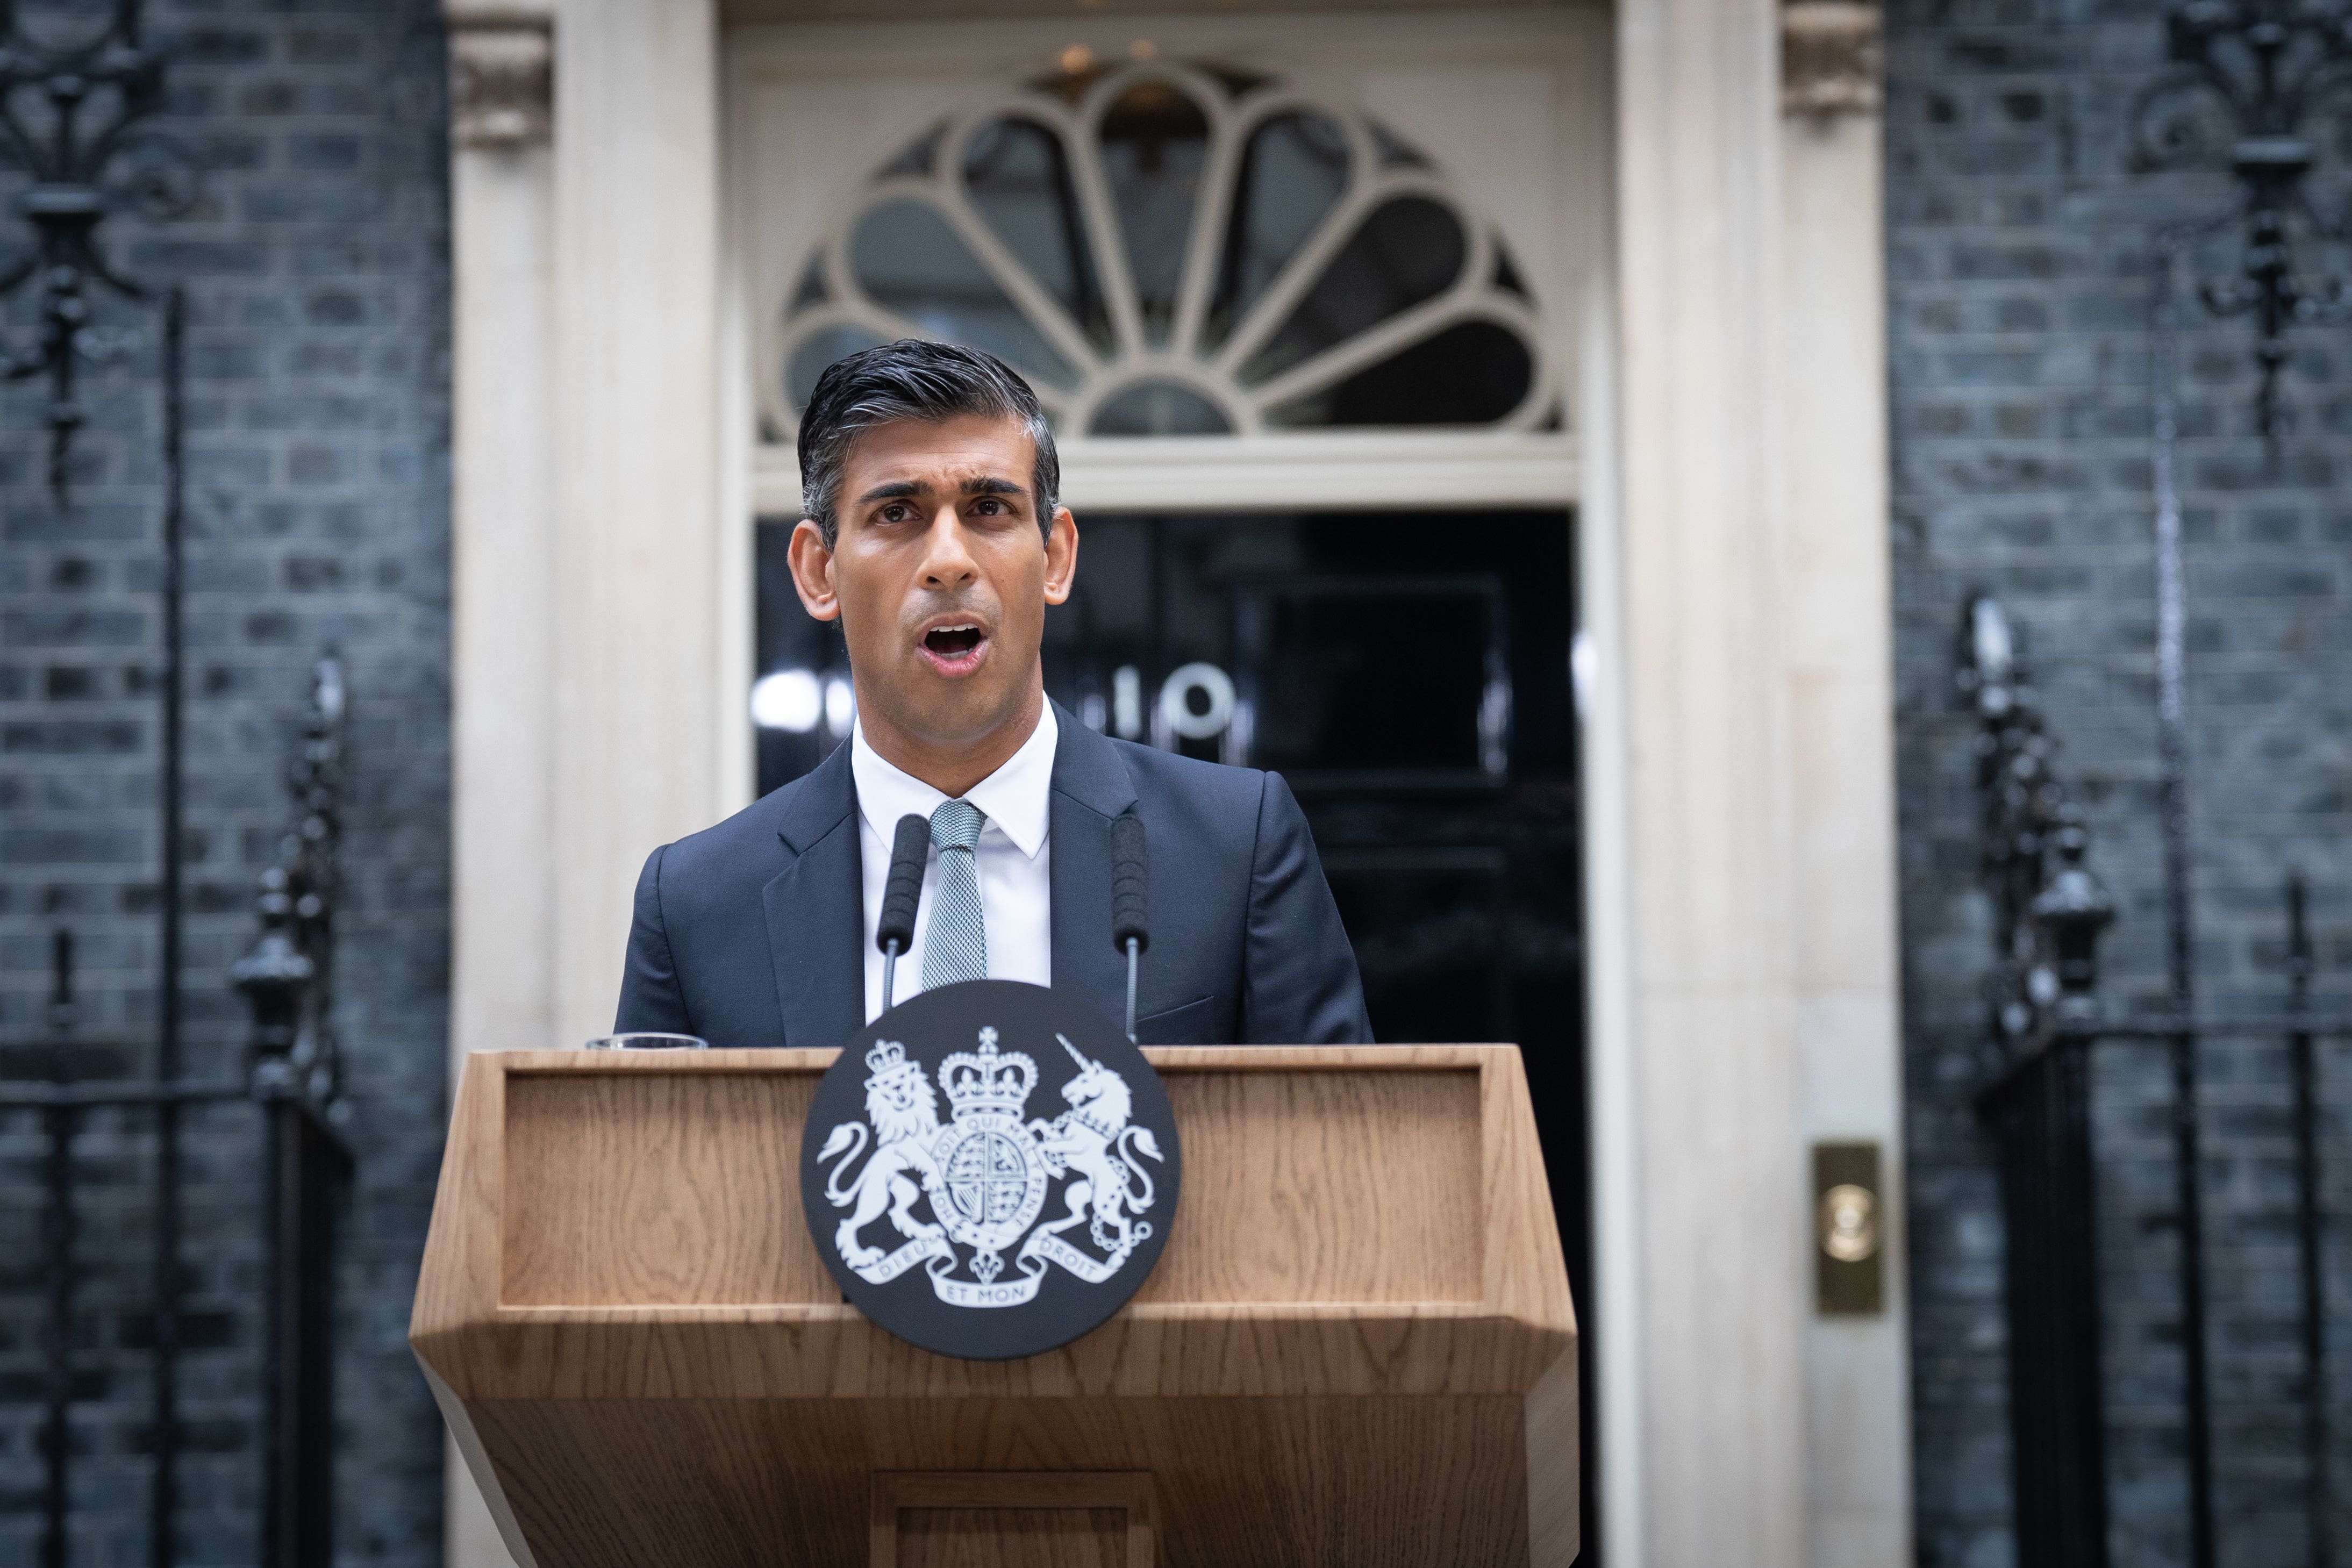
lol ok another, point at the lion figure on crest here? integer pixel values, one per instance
(1093, 1140)
(905, 1112)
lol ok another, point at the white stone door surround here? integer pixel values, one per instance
(1731, 486)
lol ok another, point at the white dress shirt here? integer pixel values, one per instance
(1014, 857)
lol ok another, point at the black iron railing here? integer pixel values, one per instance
(2041, 1108)
(302, 1172)
(76, 122)
(2049, 1024)
(2251, 87)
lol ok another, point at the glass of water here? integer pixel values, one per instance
(648, 1042)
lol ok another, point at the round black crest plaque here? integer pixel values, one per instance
(989, 1169)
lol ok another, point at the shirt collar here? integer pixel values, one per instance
(1016, 798)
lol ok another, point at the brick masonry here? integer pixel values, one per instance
(316, 260)
(2019, 286)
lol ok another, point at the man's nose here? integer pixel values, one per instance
(948, 562)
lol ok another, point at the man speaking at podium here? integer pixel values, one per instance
(935, 534)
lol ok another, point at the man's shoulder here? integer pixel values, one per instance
(1195, 798)
(756, 839)
(1173, 770)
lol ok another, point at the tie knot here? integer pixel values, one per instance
(955, 825)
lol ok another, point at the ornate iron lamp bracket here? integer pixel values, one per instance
(2267, 69)
(72, 121)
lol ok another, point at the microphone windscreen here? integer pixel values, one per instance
(904, 891)
(1130, 876)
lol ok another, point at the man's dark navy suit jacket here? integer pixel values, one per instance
(752, 933)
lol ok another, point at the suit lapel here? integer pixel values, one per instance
(815, 910)
(1090, 787)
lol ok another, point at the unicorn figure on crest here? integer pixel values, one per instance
(1093, 1139)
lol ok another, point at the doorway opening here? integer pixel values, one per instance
(1408, 674)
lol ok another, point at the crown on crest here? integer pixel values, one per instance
(888, 1060)
(988, 1081)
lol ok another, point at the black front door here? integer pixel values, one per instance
(1407, 673)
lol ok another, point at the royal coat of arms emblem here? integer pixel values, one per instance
(986, 1204)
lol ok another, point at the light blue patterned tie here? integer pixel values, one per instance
(955, 944)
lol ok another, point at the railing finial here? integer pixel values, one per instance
(2051, 908)
(288, 977)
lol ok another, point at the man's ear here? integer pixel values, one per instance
(1061, 555)
(812, 564)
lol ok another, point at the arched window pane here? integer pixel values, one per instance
(1506, 276)
(1293, 171)
(811, 290)
(1019, 180)
(917, 157)
(909, 261)
(1041, 240)
(1408, 251)
(1395, 151)
(1159, 408)
(1472, 373)
(818, 349)
(1154, 143)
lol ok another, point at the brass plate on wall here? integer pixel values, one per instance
(1849, 1232)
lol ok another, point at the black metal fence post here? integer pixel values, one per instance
(2311, 1259)
(2181, 971)
(2044, 1012)
(163, 1503)
(58, 1228)
(311, 1187)
(287, 980)
(2051, 1292)
(273, 977)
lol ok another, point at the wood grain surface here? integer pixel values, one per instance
(675, 1189)
(1325, 1187)
(1356, 1349)
(671, 1189)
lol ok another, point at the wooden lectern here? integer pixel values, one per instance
(1357, 1349)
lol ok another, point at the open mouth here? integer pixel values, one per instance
(951, 642)
(955, 650)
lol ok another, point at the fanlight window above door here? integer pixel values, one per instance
(1170, 250)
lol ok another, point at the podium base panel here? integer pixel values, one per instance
(1282, 1482)
(1014, 1519)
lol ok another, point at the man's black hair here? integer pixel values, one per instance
(911, 379)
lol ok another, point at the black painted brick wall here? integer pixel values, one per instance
(316, 260)
(2019, 286)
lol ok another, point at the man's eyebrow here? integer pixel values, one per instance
(915, 489)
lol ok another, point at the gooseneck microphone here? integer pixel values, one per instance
(1131, 875)
(901, 895)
